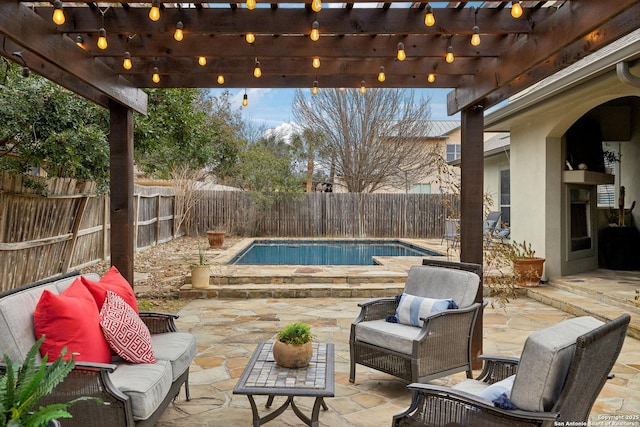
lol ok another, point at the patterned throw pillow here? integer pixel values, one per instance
(125, 332)
(412, 308)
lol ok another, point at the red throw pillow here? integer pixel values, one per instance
(71, 320)
(126, 333)
(112, 281)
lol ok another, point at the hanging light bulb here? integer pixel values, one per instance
(126, 63)
(257, 72)
(250, 38)
(431, 78)
(202, 61)
(381, 76)
(58, 13)
(179, 34)
(449, 57)
(156, 75)
(314, 88)
(475, 38)
(154, 12)
(80, 41)
(402, 55)
(363, 88)
(220, 79)
(245, 100)
(102, 38)
(429, 19)
(315, 62)
(251, 4)
(315, 31)
(316, 5)
(516, 9)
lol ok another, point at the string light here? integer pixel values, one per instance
(315, 62)
(257, 72)
(314, 88)
(316, 5)
(516, 9)
(179, 34)
(154, 12)
(250, 38)
(126, 63)
(245, 99)
(429, 18)
(102, 39)
(475, 38)
(431, 78)
(220, 79)
(80, 41)
(156, 75)
(202, 61)
(402, 55)
(363, 88)
(381, 76)
(450, 57)
(251, 4)
(58, 13)
(315, 31)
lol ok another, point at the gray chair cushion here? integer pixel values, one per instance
(179, 348)
(545, 361)
(443, 283)
(388, 335)
(146, 385)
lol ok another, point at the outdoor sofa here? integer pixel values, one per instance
(134, 394)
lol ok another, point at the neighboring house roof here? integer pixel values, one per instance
(498, 143)
(437, 129)
(599, 62)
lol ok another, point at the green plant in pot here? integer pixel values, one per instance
(200, 272)
(293, 348)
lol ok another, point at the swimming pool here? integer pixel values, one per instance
(324, 252)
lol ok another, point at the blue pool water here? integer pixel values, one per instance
(333, 252)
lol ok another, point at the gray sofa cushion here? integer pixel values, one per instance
(179, 348)
(146, 385)
(387, 335)
(545, 361)
(460, 285)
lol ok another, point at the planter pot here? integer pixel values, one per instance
(216, 238)
(292, 356)
(200, 276)
(529, 270)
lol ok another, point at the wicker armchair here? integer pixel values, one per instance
(442, 346)
(595, 354)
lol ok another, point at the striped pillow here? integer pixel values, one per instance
(411, 308)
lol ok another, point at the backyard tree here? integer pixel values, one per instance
(370, 140)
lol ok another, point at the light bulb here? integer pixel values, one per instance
(516, 9)
(154, 12)
(429, 19)
(315, 62)
(80, 41)
(316, 5)
(220, 79)
(381, 75)
(245, 100)
(475, 38)
(250, 38)
(363, 88)
(315, 31)
(402, 55)
(431, 78)
(251, 4)
(156, 75)
(314, 88)
(449, 57)
(126, 64)
(257, 72)
(58, 13)
(202, 61)
(102, 38)
(179, 34)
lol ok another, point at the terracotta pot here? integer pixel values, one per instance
(291, 355)
(529, 270)
(200, 276)
(216, 238)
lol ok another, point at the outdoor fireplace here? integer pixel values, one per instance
(580, 219)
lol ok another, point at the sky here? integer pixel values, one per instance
(272, 108)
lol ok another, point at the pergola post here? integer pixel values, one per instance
(471, 201)
(121, 206)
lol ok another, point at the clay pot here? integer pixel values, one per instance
(200, 276)
(529, 270)
(216, 238)
(291, 355)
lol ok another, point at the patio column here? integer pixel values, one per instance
(471, 200)
(121, 201)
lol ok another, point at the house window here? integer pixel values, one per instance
(607, 192)
(453, 152)
(421, 189)
(505, 195)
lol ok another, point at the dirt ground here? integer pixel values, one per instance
(159, 271)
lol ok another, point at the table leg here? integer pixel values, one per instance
(315, 413)
(257, 421)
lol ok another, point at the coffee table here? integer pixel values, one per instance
(263, 376)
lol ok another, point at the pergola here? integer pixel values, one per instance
(355, 40)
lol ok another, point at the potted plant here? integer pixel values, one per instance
(200, 271)
(526, 266)
(22, 387)
(293, 348)
(216, 238)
